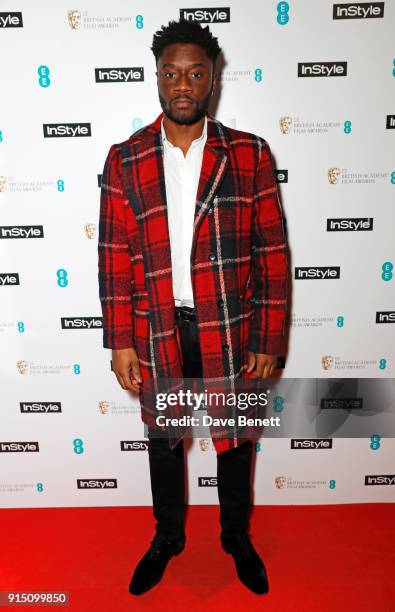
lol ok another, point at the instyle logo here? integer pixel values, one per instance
(390, 125)
(385, 316)
(11, 20)
(281, 176)
(380, 479)
(66, 130)
(81, 322)
(358, 10)
(319, 272)
(119, 75)
(97, 483)
(40, 407)
(21, 231)
(134, 445)
(9, 278)
(207, 481)
(206, 15)
(355, 224)
(311, 443)
(19, 447)
(342, 403)
(322, 69)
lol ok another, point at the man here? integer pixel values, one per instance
(193, 278)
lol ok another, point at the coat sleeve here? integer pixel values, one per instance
(269, 274)
(115, 269)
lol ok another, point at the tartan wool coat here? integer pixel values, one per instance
(238, 260)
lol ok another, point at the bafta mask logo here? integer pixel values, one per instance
(285, 125)
(327, 361)
(3, 183)
(204, 444)
(103, 406)
(280, 482)
(90, 230)
(21, 367)
(333, 175)
(74, 18)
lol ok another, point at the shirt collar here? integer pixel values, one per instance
(202, 137)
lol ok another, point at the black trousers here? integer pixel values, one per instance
(167, 466)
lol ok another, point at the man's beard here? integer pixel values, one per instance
(199, 109)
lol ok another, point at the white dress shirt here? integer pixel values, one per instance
(182, 178)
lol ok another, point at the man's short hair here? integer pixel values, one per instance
(185, 31)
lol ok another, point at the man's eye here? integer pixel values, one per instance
(169, 74)
(197, 75)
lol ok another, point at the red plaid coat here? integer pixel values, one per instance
(239, 256)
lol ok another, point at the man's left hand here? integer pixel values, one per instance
(261, 365)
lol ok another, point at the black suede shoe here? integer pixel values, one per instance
(151, 567)
(249, 565)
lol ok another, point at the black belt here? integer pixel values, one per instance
(185, 313)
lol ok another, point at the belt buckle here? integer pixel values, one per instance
(184, 315)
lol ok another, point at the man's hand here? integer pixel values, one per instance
(125, 364)
(261, 365)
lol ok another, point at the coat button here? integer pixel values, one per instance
(225, 347)
(220, 302)
(212, 257)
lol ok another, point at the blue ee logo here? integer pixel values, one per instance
(137, 123)
(340, 321)
(139, 22)
(347, 125)
(282, 13)
(375, 442)
(386, 271)
(43, 76)
(62, 281)
(278, 403)
(78, 446)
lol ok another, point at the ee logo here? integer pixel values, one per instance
(282, 13)
(278, 403)
(347, 127)
(139, 22)
(386, 271)
(375, 442)
(62, 277)
(78, 446)
(43, 76)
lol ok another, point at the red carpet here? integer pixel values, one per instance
(318, 558)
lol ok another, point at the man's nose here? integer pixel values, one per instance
(183, 83)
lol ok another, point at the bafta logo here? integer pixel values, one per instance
(21, 366)
(333, 175)
(285, 125)
(74, 18)
(3, 183)
(103, 406)
(204, 444)
(327, 361)
(90, 230)
(280, 482)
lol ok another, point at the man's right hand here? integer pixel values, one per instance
(125, 364)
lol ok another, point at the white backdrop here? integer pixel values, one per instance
(63, 417)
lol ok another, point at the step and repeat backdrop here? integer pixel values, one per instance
(316, 80)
